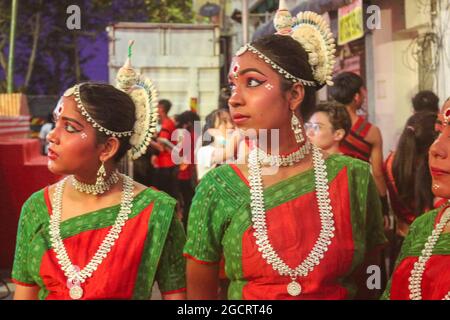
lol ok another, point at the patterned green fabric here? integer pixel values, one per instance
(162, 252)
(220, 213)
(415, 241)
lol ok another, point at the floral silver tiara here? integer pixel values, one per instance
(313, 33)
(275, 66)
(75, 91)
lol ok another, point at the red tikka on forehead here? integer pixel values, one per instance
(235, 70)
(59, 108)
(447, 116)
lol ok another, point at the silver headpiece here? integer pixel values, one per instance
(313, 33)
(75, 91)
(144, 95)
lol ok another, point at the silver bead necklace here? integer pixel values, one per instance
(415, 280)
(75, 276)
(256, 158)
(285, 160)
(96, 188)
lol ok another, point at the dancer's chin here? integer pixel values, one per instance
(54, 168)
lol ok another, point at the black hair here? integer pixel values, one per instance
(337, 114)
(346, 85)
(425, 101)
(410, 167)
(186, 118)
(292, 57)
(166, 104)
(224, 96)
(112, 108)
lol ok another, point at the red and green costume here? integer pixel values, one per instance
(148, 249)
(220, 223)
(355, 144)
(436, 277)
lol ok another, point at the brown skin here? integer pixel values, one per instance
(82, 158)
(373, 137)
(266, 109)
(325, 137)
(438, 158)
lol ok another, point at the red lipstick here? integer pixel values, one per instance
(52, 155)
(240, 118)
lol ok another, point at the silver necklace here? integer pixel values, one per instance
(415, 280)
(256, 158)
(285, 160)
(75, 276)
(97, 188)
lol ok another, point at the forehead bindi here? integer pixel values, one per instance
(250, 61)
(67, 108)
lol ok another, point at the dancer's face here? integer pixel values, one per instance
(257, 100)
(72, 143)
(439, 158)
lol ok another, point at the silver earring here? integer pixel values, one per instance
(101, 174)
(297, 128)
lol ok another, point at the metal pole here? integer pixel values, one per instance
(245, 21)
(12, 39)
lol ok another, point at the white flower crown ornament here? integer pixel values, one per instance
(314, 34)
(145, 97)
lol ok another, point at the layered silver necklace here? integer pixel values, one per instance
(97, 188)
(415, 280)
(257, 158)
(75, 276)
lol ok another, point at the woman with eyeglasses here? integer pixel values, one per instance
(328, 126)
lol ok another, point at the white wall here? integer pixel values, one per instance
(394, 83)
(443, 72)
(183, 61)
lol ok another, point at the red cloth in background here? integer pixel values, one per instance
(23, 171)
(164, 159)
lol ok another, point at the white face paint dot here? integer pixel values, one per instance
(269, 86)
(58, 109)
(83, 135)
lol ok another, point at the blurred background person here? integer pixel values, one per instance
(408, 177)
(364, 140)
(45, 129)
(425, 101)
(165, 169)
(218, 141)
(328, 126)
(186, 176)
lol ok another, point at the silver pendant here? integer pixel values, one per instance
(76, 292)
(294, 288)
